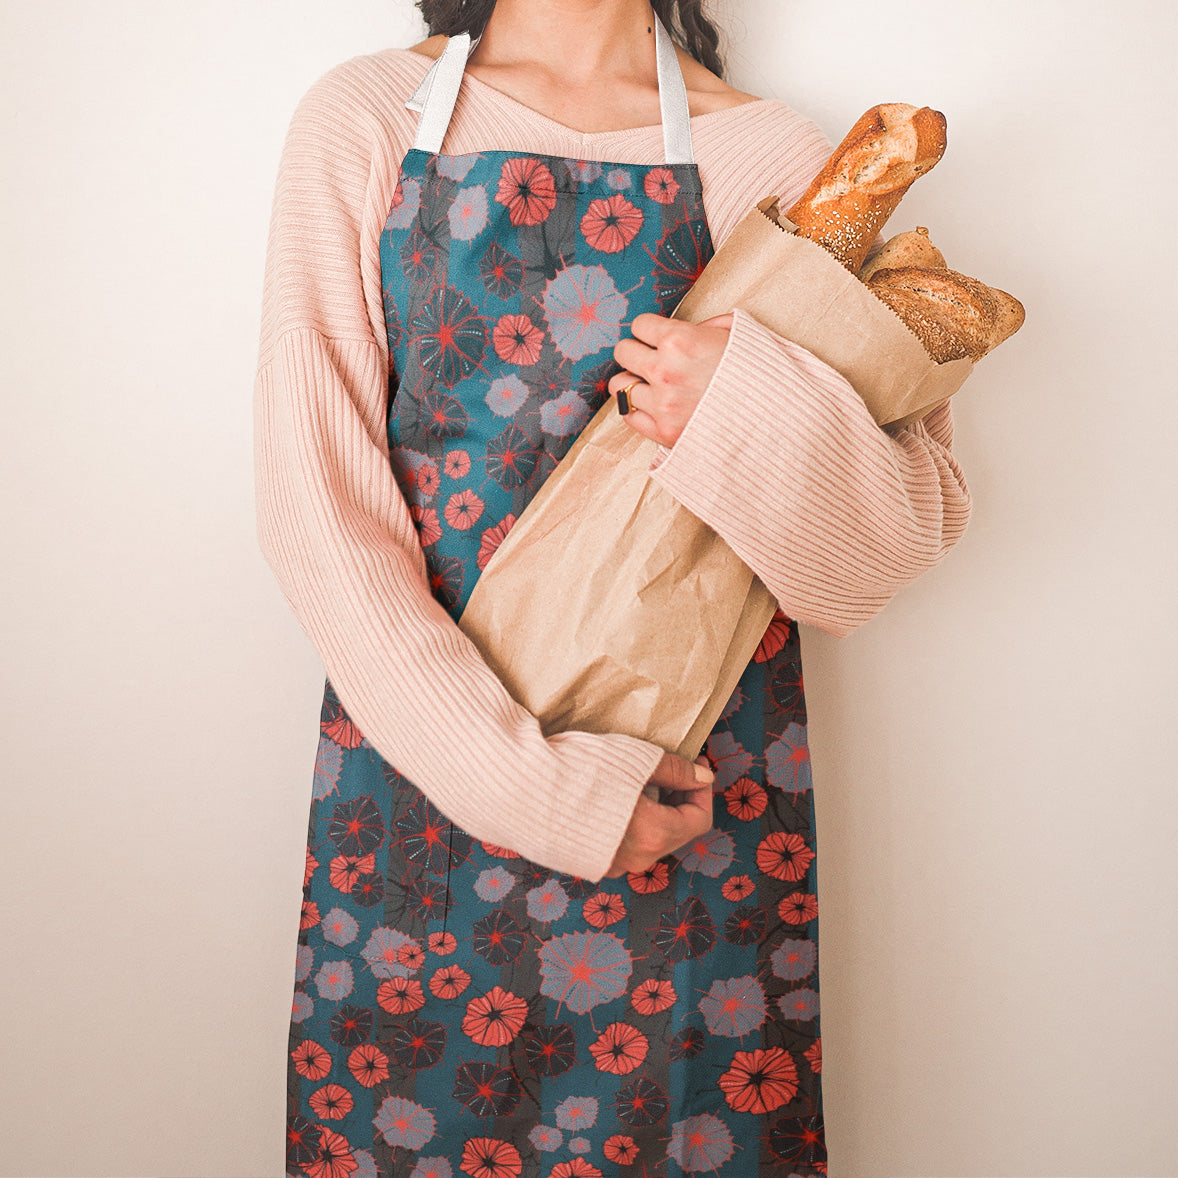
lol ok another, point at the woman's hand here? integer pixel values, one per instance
(673, 362)
(657, 828)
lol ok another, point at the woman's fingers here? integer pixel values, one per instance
(677, 810)
(667, 365)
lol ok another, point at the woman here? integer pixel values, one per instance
(513, 957)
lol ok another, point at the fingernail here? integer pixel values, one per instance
(704, 775)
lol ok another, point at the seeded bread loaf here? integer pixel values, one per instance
(864, 180)
(953, 315)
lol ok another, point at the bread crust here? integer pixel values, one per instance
(864, 180)
(954, 316)
(913, 248)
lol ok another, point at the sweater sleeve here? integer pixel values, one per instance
(833, 513)
(340, 538)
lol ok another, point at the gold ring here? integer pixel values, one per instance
(624, 403)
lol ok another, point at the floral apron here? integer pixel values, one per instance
(459, 1010)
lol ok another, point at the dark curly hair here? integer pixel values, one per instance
(684, 20)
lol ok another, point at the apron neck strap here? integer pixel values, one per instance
(437, 95)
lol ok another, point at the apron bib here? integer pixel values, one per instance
(458, 1009)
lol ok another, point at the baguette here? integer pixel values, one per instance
(864, 180)
(954, 316)
(905, 249)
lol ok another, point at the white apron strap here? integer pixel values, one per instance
(437, 94)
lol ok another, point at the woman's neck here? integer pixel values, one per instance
(580, 44)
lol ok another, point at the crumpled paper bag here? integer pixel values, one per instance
(609, 607)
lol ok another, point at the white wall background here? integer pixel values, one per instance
(995, 755)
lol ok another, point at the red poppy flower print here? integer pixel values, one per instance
(449, 981)
(603, 909)
(332, 1102)
(429, 530)
(660, 185)
(457, 464)
(310, 864)
(428, 479)
(620, 1148)
(784, 856)
(575, 1168)
(685, 931)
(813, 1055)
(652, 879)
(798, 908)
(310, 915)
(551, 1048)
(340, 729)
(463, 510)
(411, 955)
(488, 1157)
(611, 223)
(502, 273)
(746, 926)
(512, 458)
(527, 190)
(311, 1061)
(737, 887)
(498, 937)
(641, 1102)
(745, 799)
(490, 848)
(492, 538)
(344, 870)
(334, 1159)
(400, 995)
(356, 827)
(517, 340)
(302, 1140)
(760, 1081)
(495, 1018)
(417, 1045)
(652, 996)
(369, 1065)
(450, 334)
(442, 943)
(776, 636)
(619, 1049)
(485, 1089)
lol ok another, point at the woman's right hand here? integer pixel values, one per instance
(657, 828)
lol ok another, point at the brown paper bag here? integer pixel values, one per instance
(609, 607)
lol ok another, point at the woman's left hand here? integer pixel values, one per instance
(673, 363)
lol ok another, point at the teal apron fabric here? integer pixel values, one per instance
(458, 1009)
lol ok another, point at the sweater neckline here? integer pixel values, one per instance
(587, 136)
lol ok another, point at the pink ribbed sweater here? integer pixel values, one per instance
(781, 458)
